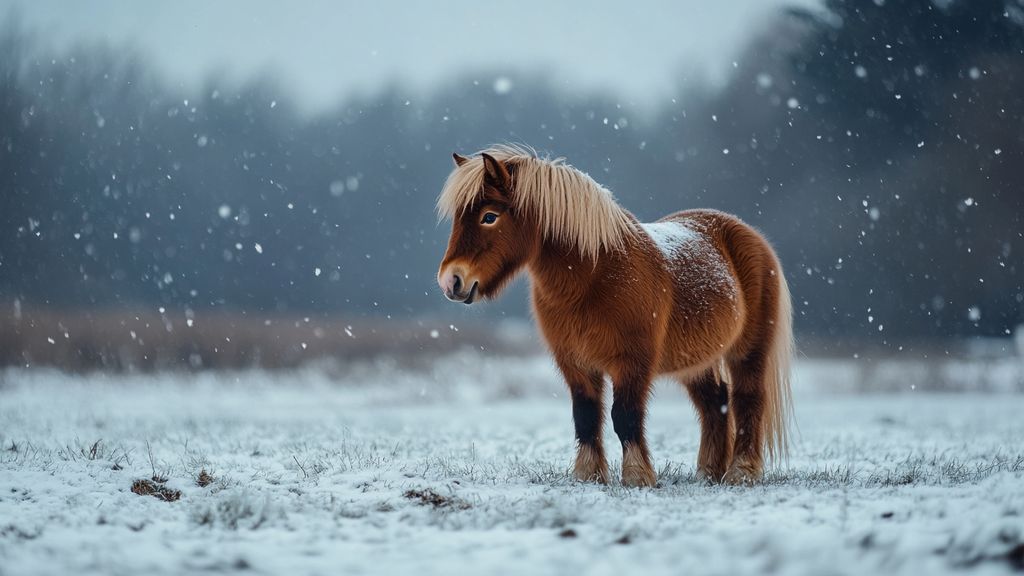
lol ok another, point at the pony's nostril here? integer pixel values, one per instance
(457, 287)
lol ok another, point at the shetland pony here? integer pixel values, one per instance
(697, 295)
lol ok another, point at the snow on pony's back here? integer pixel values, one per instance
(681, 245)
(670, 237)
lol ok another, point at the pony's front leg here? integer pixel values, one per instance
(629, 409)
(587, 388)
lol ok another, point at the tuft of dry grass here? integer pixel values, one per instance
(155, 487)
(204, 479)
(428, 497)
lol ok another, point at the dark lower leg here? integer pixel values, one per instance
(588, 417)
(628, 412)
(711, 399)
(747, 406)
(587, 390)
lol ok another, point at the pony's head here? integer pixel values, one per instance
(507, 204)
(491, 239)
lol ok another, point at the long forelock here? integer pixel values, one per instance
(568, 204)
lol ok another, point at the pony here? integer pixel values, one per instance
(698, 296)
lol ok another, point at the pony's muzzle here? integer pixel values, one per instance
(453, 284)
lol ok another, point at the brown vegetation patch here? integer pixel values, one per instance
(428, 497)
(204, 479)
(155, 487)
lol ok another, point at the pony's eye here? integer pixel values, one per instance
(490, 218)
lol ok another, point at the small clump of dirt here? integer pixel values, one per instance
(427, 497)
(1016, 557)
(155, 487)
(204, 479)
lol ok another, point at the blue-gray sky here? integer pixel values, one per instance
(323, 50)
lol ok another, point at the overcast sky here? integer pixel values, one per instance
(326, 49)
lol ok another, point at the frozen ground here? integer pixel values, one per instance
(462, 468)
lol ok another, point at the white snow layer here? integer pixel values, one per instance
(670, 237)
(313, 471)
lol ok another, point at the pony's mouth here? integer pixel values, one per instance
(472, 294)
(465, 298)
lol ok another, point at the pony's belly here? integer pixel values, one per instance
(699, 338)
(696, 332)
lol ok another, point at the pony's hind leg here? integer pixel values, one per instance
(747, 405)
(586, 389)
(711, 399)
(629, 410)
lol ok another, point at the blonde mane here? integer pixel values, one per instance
(569, 205)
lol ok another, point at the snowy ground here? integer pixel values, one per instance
(462, 468)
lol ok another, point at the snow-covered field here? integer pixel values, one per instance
(462, 467)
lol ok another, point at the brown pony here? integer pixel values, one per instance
(698, 295)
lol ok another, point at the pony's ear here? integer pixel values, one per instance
(459, 159)
(495, 172)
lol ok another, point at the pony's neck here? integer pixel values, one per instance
(560, 271)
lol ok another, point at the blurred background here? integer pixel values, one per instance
(240, 184)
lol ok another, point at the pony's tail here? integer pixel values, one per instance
(778, 396)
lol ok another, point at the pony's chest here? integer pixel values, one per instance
(587, 332)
